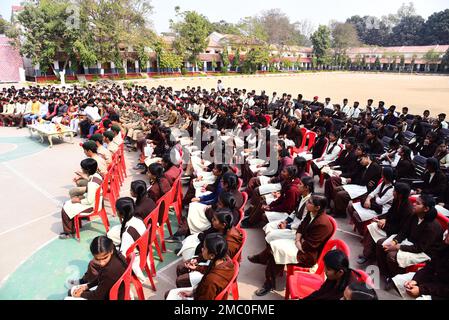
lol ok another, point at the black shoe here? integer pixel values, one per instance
(389, 284)
(64, 236)
(245, 224)
(144, 171)
(362, 260)
(263, 291)
(177, 250)
(139, 166)
(255, 259)
(174, 238)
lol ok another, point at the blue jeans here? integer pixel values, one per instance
(29, 117)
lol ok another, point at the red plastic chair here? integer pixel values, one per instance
(142, 245)
(296, 150)
(309, 163)
(240, 184)
(242, 208)
(125, 279)
(122, 159)
(291, 268)
(301, 284)
(238, 256)
(109, 192)
(164, 203)
(364, 277)
(117, 173)
(231, 288)
(177, 197)
(96, 212)
(152, 219)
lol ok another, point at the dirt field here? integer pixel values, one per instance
(418, 92)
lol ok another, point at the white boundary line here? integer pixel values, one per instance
(26, 259)
(32, 184)
(25, 224)
(351, 233)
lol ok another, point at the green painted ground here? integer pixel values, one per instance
(25, 146)
(43, 275)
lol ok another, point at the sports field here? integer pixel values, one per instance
(417, 92)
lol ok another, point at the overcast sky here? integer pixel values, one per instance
(317, 11)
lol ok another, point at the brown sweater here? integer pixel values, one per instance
(107, 277)
(215, 281)
(315, 234)
(145, 206)
(155, 191)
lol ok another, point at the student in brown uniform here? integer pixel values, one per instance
(222, 223)
(217, 276)
(312, 234)
(422, 230)
(144, 204)
(159, 184)
(84, 203)
(285, 203)
(172, 172)
(338, 276)
(107, 266)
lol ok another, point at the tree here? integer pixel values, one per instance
(286, 64)
(402, 61)
(3, 25)
(321, 44)
(274, 27)
(255, 59)
(377, 63)
(47, 35)
(413, 63)
(436, 30)
(432, 57)
(225, 60)
(370, 29)
(314, 62)
(191, 31)
(278, 27)
(236, 60)
(408, 32)
(445, 60)
(109, 28)
(170, 60)
(344, 36)
(406, 10)
(225, 27)
(252, 28)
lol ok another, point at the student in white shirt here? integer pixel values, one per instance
(331, 154)
(328, 104)
(391, 157)
(347, 109)
(356, 112)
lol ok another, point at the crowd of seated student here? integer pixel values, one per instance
(354, 153)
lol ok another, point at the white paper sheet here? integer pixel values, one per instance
(364, 214)
(355, 190)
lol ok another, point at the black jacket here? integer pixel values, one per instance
(433, 279)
